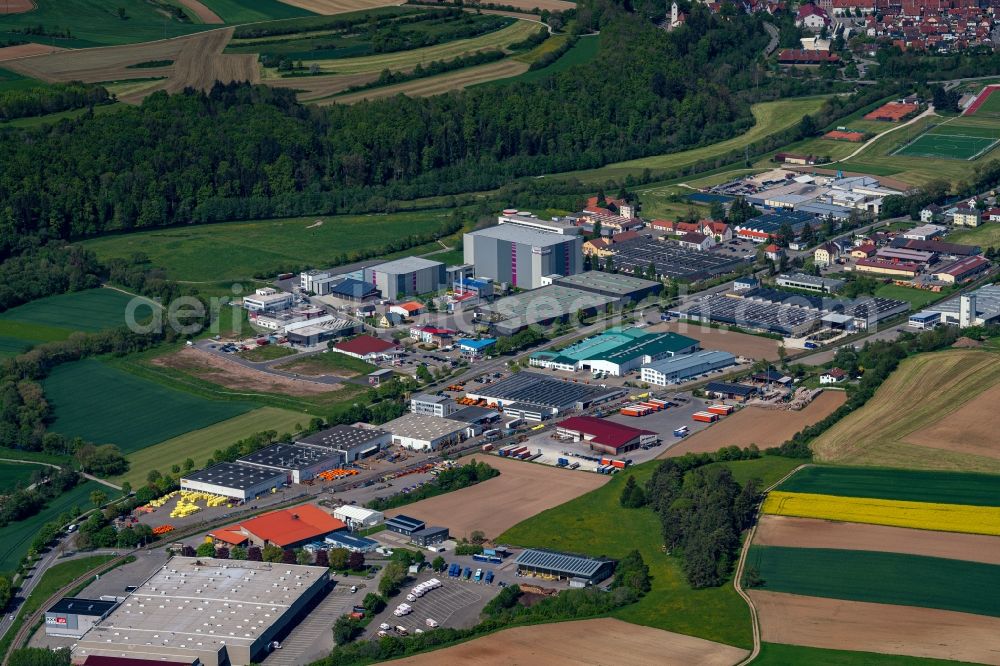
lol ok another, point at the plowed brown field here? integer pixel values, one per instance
(600, 642)
(810, 533)
(204, 14)
(521, 491)
(201, 63)
(108, 63)
(756, 425)
(328, 7)
(16, 6)
(972, 428)
(884, 628)
(314, 87)
(26, 50)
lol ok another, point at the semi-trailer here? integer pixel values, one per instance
(574, 465)
(721, 410)
(705, 417)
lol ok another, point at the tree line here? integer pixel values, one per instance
(448, 480)
(50, 98)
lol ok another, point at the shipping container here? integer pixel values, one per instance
(651, 405)
(705, 417)
(721, 410)
(487, 447)
(562, 462)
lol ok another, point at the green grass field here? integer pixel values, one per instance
(329, 363)
(986, 235)
(990, 108)
(91, 310)
(15, 474)
(10, 80)
(771, 117)
(888, 578)
(16, 537)
(934, 385)
(199, 445)
(596, 524)
(947, 145)
(776, 654)
(582, 52)
(238, 250)
(266, 353)
(106, 405)
(897, 484)
(917, 298)
(247, 11)
(95, 23)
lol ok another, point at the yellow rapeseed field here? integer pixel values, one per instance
(898, 513)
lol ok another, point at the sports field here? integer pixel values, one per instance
(897, 484)
(987, 104)
(105, 405)
(952, 141)
(15, 538)
(199, 445)
(888, 578)
(239, 250)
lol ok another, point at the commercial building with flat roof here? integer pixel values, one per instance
(549, 395)
(616, 351)
(321, 329)
(214, 611)
(409, 276)
(730, 390)
(670, 259)
(624, 288)
(554, 302)
(556, 226)
(357, 516)
(809, 282)
(404, 525)
(433, 405)
(535, 561)
(350, 442)
(425, 432)
(522, 256)
(975, 308)
(241, 482)
(267, 299)
(72, 617)
(350, 542)
(298, 462)
(603, 435)
(682, 368)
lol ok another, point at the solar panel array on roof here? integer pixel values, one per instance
(233, 475)
(670, 259)
(405, 522)
(749, 313)
(562, 563)
(727, 387)
(535, 389)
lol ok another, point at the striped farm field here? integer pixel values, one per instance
(897, 484)
(887, 578)
(919, 515)
(90, 310)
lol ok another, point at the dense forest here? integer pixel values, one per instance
(50, 98)
(242, 152)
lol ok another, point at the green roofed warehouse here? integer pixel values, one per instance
(616, 351)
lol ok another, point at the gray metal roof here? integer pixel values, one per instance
(289, 456)
(234, 475)
(563, 563)
(542, 391)
(405, 265)
(342, 437)
(406, 522)
(515, 233)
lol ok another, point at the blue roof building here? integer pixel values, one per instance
(476, 347)
(355, 544)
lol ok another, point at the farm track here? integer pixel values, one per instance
(204, 14)
(435, 85)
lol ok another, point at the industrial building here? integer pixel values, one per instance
(522, 256)
(206, 611)
(285, 528)
(682, 368)
(404, 525)
(604, 436)
(790, 320)
(432, 405)
(316, 331)
(670, 260)
(430, 536)
(350, 443)
(72, 617)
(536, 397)
(977, 308)
(526, 219)
(809, 283)
(616, 351)
(561, 566)
(267, 299)
(241, 482)
(367, 348)
(475, 416)
(476, 348)
(410, 276)
(424, 432)
(350, 542)
(962, 270)
(542, 307)
(730, 391)
(623, 288)
(318, 282)
(298, 462)
(861, 312)
(354, 291)
(357, 517)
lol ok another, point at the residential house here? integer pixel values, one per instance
(930, 214)
(408, 309)
(812, 17)
(720, 231)
(388, 320)
(966, 216)
(863, 251)
(832, 376)
(826, 254)
(992, 214)
(773, 252)
(694, 240)
(597, 247)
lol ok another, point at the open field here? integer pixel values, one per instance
(986, 235)
(26, 50)
(536, 487)
(600, 641)
(583, 51)
(808, 533)
(15, 538)
(917, 298)
(204, 14)
(756, 425)
(740, 344)
(311, 88)
(230, 374)
(13, 475)
(20, 6)
(201, 63)
(406, 60)
(888, 578)
(329, 7)
(96, 23)
(336, 365)
(238, 250)
(771, 117)
(266, 353)
(971, 429)
(247, 11)
(91, 310)
(106, 405)
(897, 484)
(936, 385)
(898, 513)
(882, 628)
(435, 85)
(596, 524)
(200, 444)
(776, 654)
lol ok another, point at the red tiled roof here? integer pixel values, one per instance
(410, 306)
(807, 56)
(598, 243)
(624, 236)
(772, 248)
(603, 431)
(293, 525)
(964, 266)
(230, 535)
(365, 344)
(836, 372)
(908, 266)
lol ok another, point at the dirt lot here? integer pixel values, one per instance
(809, 533)
(205, 14)
(602, 641)
(26, 50)
(972, 428)
(741, 344)
(435, 85)
(521, 491)
(224, 372)
(328, 7)
(760, 426)
(16, 6)
(885, 628)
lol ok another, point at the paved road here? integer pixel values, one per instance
(773, 44)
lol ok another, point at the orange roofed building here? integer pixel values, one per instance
(287, 528)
